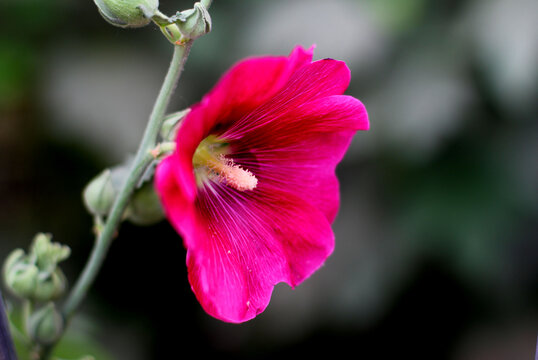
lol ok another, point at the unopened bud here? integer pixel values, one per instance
(48, 254)
(101, 191)
(194, 22)
(145, 207)
(20, 274)
(127, 13)
(13, 258)
(51, 286)
(99, 194)
(45, 325)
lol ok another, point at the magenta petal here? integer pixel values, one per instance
(251, 82)
(314, 81)
(247, 243)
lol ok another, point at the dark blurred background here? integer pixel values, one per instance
(437, 236)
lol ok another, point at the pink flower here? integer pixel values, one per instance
(251, 187)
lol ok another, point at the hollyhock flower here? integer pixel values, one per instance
(251, 186)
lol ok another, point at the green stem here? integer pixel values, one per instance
(141, 162)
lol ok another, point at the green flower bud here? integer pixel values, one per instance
(50, 287)
(99, 194)
(101, 191)
(193, 23)
(48, 253)
(13, 258)
(45, 325)
(145, 207)
(127, 13)
(20, 275)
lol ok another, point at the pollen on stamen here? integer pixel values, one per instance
(235, 176)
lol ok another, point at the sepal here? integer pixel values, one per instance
(171, 124)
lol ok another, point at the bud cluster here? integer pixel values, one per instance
(35, 275)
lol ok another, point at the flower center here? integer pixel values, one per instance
(210, 163)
